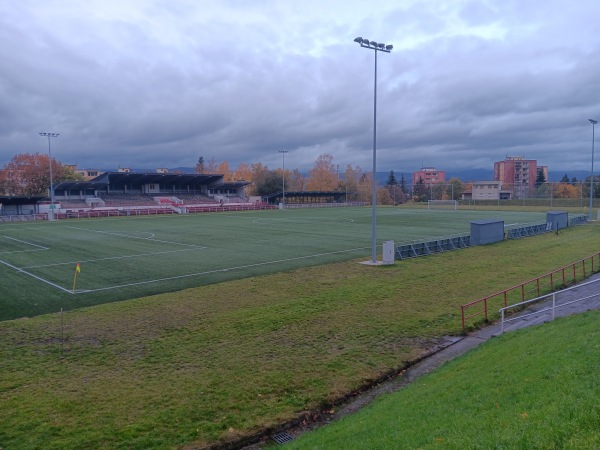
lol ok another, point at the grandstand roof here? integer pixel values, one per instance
(82, 185)
(102, 181)
(160, 178)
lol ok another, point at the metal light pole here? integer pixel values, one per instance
(593, 122)
(283, 152)
(376, 47)
(50, 135)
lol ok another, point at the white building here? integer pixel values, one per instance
(489, 190)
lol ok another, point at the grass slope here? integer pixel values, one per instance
(537, 388)
(221, 361)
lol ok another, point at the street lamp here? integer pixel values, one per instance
(376, 47)
(50, 135)
(283, 152)
(593, 122)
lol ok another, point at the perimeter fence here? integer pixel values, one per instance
(479, 310)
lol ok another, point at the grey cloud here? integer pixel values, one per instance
(174, 85)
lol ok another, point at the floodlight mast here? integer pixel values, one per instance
(376, 47)
(283, 152)
(593, 122)
(50, 135)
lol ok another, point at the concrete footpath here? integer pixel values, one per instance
(456, 346)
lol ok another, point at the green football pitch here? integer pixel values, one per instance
(128, 257)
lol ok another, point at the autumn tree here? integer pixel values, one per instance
(393, 187)
(365, 188)
(295, 181)
(200, 165)
(384, 197)
(211, 166)
(586, 187)
(566, 190)
(223, 169)
(323, 176)
(351, 183)
(242, 173)
(29, 174)
(454, 189)
(258, 173)
(420, 191)
(271, 183)
(437, 191)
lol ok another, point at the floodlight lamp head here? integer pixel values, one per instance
(594, 122)
(389, 47)
(380, 45)
(359, 40)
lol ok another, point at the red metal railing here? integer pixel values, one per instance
(536, 287)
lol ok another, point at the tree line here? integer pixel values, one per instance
(28, 174)
(324, 176)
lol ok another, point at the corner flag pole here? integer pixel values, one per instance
(77, 270)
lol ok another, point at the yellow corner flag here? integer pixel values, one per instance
(77, 270)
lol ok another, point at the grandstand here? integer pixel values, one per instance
(132, 193)
(125, 193)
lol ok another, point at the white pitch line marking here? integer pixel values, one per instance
(227, 269)
(39, 249)
(43, 280)
(310, 220)
(136, 237)
(24, 251)
(114, 257)
(25, 242)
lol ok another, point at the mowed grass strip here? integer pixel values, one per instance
(536, 388)
(214, 363)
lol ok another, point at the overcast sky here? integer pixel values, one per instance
(146, 84)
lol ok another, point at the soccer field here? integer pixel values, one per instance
(128, 257)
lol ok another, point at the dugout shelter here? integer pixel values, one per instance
(10, 205)
(305, 197)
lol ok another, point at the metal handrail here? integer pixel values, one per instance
(537, 287)
(543, 297)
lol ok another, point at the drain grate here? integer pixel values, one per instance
(282, 438)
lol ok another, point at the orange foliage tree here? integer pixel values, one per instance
(566, 190)
(29, 174)
(295, 181)
(243, 173)
(223, 169)
(351, 184)
(323, 176)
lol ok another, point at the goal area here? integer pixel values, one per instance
(442, 204)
